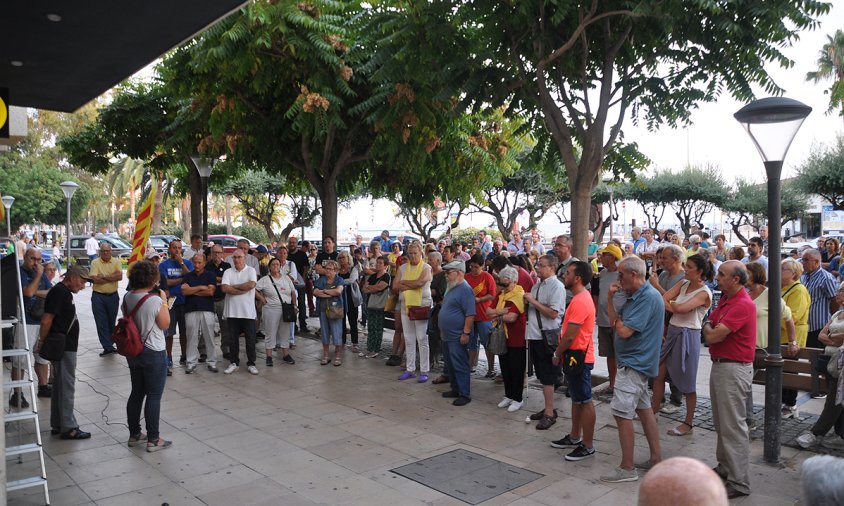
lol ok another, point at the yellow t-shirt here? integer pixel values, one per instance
(100, 268)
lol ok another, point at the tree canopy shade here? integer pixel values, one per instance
(583, 67)
(823, 174)
(831, 68)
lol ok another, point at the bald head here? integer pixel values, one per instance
(681, 480)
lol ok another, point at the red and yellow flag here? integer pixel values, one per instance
(143, 225)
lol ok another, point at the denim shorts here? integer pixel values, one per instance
(580, 386)
(480, 335)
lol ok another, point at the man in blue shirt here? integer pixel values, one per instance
(35, 287)
(172, 272)
(822, 287)
(385, 241)
(198, 288)
(638, 331)
(455, 320)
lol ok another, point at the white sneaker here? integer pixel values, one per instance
(670, 409)
(833, 442)
(252, 369)
(806, 440)
(514, 406)
(505, 402)
(231, 368)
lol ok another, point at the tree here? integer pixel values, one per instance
(831, 67)
(693, 192)
(424, 221)
(580, 68)
(747, 205)
(823, 174)
(649, 193)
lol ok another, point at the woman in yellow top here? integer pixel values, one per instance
(413, 282)
(797, 298)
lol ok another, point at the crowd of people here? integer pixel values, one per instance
(651, 301)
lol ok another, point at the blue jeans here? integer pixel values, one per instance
(456, 357)
(331, 330)
(480, 335)
(104, 308)
(148, 372)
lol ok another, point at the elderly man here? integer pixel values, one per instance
(198, 287)
(536, 240)
(681, 480)
(251, 261)
(606, 337)
(578, 326)
(439, 285)
(299, 257)
(239, 286)
(547, 301)
(592, 249)
(60, 316)
(763, 234)
(562, 248)
(730, 332)
(754, 254)
(289, 269)
(516, 245)
(638, 331)
(455, 320)
(822, 287)
(35, 285)
(106, 272)
(638, 240)
(671, 259)
(218, 266)
(172, 272)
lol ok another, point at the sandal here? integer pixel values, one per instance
(76, 434)
(676, 432)
(439, 380)
(337, 362)
(137, 439)
(324, 361)
(158, 444)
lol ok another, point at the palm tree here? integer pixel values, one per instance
(831, 66)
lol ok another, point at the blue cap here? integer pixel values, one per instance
(262, 249)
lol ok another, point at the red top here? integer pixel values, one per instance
(737, 313)
(581, 311)
(525, 281)
(515, 330)
(482, 284)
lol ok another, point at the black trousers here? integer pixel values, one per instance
(350, 322)
(513, 365)
(246, 326)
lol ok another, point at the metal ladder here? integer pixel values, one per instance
(20, 418)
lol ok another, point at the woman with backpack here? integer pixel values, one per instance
(148, 371)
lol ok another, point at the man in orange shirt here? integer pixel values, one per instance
(578, 326)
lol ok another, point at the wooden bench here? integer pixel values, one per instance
(799, 373)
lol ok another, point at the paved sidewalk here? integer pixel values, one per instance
(310, 434)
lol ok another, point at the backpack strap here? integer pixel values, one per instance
(137, 306)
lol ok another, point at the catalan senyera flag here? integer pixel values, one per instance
(2, 213)
(143, 225)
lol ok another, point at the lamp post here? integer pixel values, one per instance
(204, 165)
(772, 124)
(69, 188)
(8, 200)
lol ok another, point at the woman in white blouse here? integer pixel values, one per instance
(273, 290)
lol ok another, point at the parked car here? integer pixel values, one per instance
(120, 248)
(229, 242)
(162, 241)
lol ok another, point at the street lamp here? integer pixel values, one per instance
(772, 124)
(204, 165)
(8, 200)
(69, 188)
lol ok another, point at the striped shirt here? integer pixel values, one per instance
(822, 287)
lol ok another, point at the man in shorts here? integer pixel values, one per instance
(578, 326)
(547, 301)
(608, 276)
(638, 330)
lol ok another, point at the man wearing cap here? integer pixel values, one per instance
(455, 321)
(262, 254)
(608, 275)
(60, 316)
(172, 272)
(106, 272)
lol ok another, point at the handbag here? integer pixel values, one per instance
(497, 339)
(357, 297)
(288, 312)
(390, 305)
(52, 348)
(334, 309)
(550, 336)
(378, 300)
(832, 368)
(418, 312)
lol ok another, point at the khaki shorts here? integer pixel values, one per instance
(630, 393)
(606, 343)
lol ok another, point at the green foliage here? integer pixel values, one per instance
(468, 233)
(216, 228)
(174, 229)
(693, 191)
(254, 232)
(823, 173)
(34, 183)
(831, 67)
(748, 204)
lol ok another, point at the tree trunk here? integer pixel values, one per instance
(328, 201)
(228, 200)
(196, 199)
(158, 203)
(581, 207)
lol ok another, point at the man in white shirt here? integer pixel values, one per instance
(195, 247)
(91, 247)
(515, 245)
(251, 261)
(239, 286)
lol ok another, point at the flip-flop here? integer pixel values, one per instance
(324, 361)
(337, 362)
(675, 432)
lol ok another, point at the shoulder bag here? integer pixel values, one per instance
(378, 300)
(357, 297)
(53, 347)
(498, 339)
(288, 312)
(574, 360)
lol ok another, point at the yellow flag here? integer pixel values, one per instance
(2, 213)
(143, 225)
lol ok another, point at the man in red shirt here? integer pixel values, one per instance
(483, 285)
(730, 333)
(578, 326)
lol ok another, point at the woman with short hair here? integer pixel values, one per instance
(328, 290)
(350, 274)
(797, 297)
(413, 282)
(272, 291)
(509, 307)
